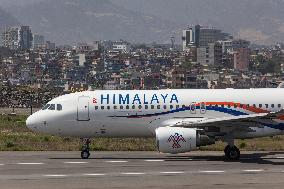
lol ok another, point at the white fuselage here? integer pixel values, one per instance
(138, 113)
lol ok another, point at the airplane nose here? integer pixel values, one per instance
(31, 122)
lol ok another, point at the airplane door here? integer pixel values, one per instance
(83, 113)
(203, 108)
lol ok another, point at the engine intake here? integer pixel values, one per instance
(180, 140)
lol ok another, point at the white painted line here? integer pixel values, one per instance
(212, 171)
(2, 164)
(133, 173)
(94, 174)
(253, 170)
(173, 172)
(82, 162)
(116, 161)
(279, 157)
(55, 175)
(154, 160)
(30, 163)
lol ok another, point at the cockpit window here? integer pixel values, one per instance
(46, 107)
(59, 107)
(52, 107)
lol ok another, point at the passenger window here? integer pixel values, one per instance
(229, 106)
(121, 107)
(158, 107)
(133, 107)
(247, 105)
(165, 106)
(272, 106)
(260, 106)
(279, 105)
(102, 107)
(114, 107)
(235, 106)
(266, 105)
(241, 105)
(146, 107)
(216, 105)
(52, 107)
(152, 107)
(171, 107)
(96, 107)
(254, 106)
(108, 107)
(127, 107)
(140, 107)
(59, 107)
(222, 105)
(46, 107)
(183, 106)
(177, 106)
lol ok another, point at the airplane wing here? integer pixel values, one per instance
(255, 119)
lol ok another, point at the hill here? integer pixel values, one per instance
(69, 21)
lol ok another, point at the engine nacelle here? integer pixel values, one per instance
(180, 140)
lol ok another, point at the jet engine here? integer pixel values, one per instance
(180, 140)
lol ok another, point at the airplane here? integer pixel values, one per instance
(182, 120)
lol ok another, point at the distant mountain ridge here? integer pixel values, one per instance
(69, 21)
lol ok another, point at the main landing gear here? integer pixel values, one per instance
(85, 152)
(232, 153)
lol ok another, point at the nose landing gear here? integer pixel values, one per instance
(85, 152)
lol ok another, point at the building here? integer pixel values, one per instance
(26, 38)
(38, 41)
(121, 46)
(11, 38)
(228, 46)
(190, 37)
(210, 55)
(17, 38)
(241, 59)
(209, 35)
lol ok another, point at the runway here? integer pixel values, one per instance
(45, 170)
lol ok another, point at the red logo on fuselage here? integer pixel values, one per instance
(95, 101)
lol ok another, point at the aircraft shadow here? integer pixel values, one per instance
(256, 158)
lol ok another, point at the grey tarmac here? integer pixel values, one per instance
(52, 170)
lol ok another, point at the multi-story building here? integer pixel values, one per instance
(190, 37)
(38, 41)
(26, 37)
(11, 38)
(241, 59)
(17, 38)
(210, 55)
(209, 35)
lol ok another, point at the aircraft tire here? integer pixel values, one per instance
(85, 154)
(232, 153)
